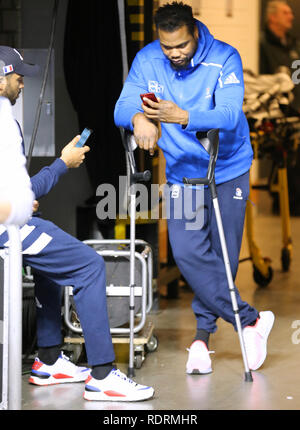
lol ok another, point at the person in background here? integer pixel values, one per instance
(278, 50)
(278, 47)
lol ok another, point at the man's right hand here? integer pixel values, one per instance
(146, 132)
(73, 156)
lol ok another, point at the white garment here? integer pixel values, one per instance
(265, 93)
(15, 185)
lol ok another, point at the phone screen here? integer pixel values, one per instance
(84, 137)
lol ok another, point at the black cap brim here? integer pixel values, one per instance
(26, 69)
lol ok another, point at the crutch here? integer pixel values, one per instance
(133, 177)
(210, 142)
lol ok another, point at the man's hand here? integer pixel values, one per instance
(72, 156)
(35, 206)
(146, 132)
(165, 111)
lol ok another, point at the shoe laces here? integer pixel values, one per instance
(67, 362)
(121, 375)
(64, 357)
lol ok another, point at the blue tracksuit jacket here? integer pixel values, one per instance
(211, 89)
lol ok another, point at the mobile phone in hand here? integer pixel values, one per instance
(150, 96)
(84, 137)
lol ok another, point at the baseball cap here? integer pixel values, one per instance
(11, 61)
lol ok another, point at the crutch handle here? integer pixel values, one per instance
(210, 142)
(142, 177)
(135, 176)
(196, 181)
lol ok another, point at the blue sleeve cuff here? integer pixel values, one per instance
(59, 166)
(199, 121)
(47, 178)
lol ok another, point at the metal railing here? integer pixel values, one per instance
(14, 306)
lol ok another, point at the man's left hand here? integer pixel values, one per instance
(165, 111)
(35, 206)
(73, 156)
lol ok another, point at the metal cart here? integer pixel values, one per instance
(129, 269)
(277, 140)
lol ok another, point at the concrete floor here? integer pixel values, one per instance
(276, 385)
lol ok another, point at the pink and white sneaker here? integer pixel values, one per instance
(62, 371)
(255, 339)
(199, 361)
(116, 387)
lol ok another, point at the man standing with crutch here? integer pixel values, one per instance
(198, 81)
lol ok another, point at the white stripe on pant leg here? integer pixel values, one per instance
(24, 232)
(2, 229)
(38, 245)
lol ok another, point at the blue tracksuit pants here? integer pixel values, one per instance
(61, 260)
(199, 257)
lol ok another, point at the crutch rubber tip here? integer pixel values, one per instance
(248, 377)
(131, 372)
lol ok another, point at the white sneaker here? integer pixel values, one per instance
(255, 339)
(199, 361)
(116, 387)
(62, 371)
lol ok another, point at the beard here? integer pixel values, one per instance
(186, 60)
(182, 65)
(11, 95)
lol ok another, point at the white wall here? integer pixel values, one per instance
(240, 30)
(236, 22)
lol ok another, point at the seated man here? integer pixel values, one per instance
(60, 260)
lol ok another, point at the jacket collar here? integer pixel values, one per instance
(204, 44)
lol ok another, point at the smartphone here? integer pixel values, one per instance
(150, 96)
(84, 137)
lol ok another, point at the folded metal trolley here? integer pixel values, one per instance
(129, 274)
(275, 135)
(278, 140)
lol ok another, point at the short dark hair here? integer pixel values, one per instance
(174, 15)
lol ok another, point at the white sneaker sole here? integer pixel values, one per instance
(195, 371)
(54, 381)
(134, 397)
